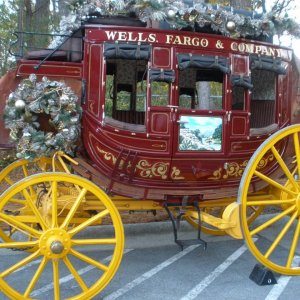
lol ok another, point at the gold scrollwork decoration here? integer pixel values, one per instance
(148, 170)
(107, 155)
(175, 174)
(234, 169)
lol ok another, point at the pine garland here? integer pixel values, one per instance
(33, 103)
(180, 15)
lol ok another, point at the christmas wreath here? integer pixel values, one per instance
(43, 117)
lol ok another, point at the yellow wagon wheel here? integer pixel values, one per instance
(61, 244)
(278, 226)
(216, 208)
(14, 172)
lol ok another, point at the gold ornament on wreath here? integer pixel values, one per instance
(43, 117)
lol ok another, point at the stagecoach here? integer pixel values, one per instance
(201, 125)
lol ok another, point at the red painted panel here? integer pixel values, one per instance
(50, 69)
(136, 143)
(245, 146)
(238, 125)
(159, 122)
(94, 75)
(161, 57)
(239, 64)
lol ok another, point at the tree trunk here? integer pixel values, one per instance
(41, 16)
(28, 15)
(62, 8)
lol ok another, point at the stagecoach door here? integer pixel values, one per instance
(238, 104)
(201, 117)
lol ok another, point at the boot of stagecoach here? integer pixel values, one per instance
(189, 109)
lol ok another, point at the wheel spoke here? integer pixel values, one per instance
(17, 201)
(63, 211)
(20, 264)
(36, 277)
(270, 202)
(294, 245)
(75, 274)
(89, 222)
(74, 208)
(18, 245)
(284, 168)
(8, 180)
(56, 279)
(87, 242)
(35, 210)
(26, 174)
(297, 151)
(274, 183)
(25, 171)
(3, 236)
(272, 221)
(19, 225)
(281, 235)
(89, 260)
(54, 204)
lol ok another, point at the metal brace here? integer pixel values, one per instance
(176, 224)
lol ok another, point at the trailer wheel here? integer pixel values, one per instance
(278, 226)
(64, 244)
(14, 172)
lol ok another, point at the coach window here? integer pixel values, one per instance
(239, 85)
(201, 81)
(126, 82)
(160, 80)
(264, 72)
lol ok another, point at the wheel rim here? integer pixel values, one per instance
(16, 171)
(62, 240)
(280, 218)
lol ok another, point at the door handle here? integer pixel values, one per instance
(228, 115)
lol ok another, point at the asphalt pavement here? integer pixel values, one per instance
(154, 267)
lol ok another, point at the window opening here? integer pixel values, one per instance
(238, 98)
(125, 97)
(141, 92)
(108, 108)
(160, 86)
(201, 89)
(160, 93)
(239, 85)
(187, 98)
(263, 99)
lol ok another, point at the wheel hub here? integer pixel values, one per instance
(55, 243)
(57, 247)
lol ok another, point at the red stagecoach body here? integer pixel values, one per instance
(193, 123)
(169, 113)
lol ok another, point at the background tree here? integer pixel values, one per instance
(8, 21)
(41, 16)
(44, 16)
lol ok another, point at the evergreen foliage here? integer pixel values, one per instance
(43, 117)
